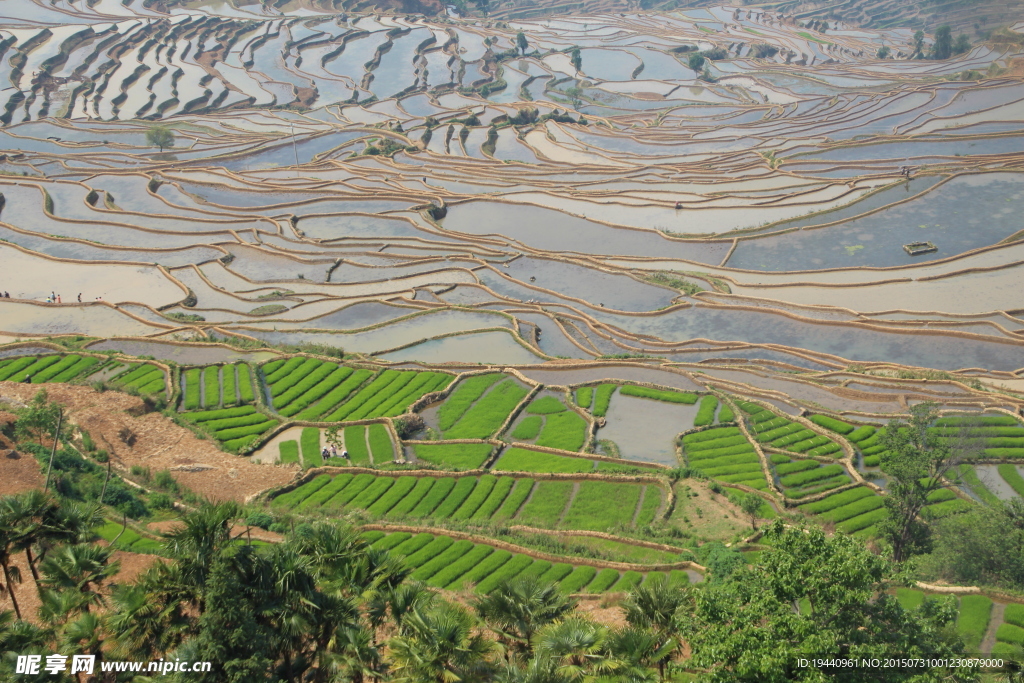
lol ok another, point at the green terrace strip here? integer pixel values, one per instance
(659, 394)
(602, 398)
(547, 503)
(972, 622)
(724, 453)
(528, 428)
(229, 386)
(336, 395)
(726, 414)
(706, 411)
(127, 539)
(585, 397)
(1011, 475)
(192, 392)
(867, 438)
(289, 451)
(38, 370)
(456, 456)
(464, 395)
(601, 506)
(147, 378)
(783, 433)
(997, 436)
(310, 444)
(525, 460)
(388, 394)
(803, 478)
(234, 428)
(545, 405)
(443, 562)
(211, 386)
(381, 447)
(565, 431)
(970, 479)
(487, 413)
(354, 441)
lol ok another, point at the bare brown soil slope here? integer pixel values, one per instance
(158, 442)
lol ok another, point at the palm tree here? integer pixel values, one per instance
(517, 609)
(82, 567)
(440, 647)
(537, 670)
(576, 643)
(395, 604)
(656, 605)
(141, 622)
(9, 540)
(633, 650)
(206, 532)
(353, 656)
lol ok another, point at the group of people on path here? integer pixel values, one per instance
(332, 452)
(54, 298)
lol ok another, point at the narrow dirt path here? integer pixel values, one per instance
(572, 497)
(994, 622)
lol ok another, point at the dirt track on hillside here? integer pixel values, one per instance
(159, 443)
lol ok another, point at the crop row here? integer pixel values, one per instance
(706, 411)
(659, 394)
(596, 505)
(725, 454)
(784, 433)
(234, 428)
(488, 412)
(524, 460)
(595, 399)
(40, 369)
(214, 385)
(147, 378)
(444, 562)
(565, 431)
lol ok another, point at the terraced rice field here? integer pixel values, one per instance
(447, 563)
(217, 386)
(595, 505)
(235, 428)
(310, 389)
(723, 453)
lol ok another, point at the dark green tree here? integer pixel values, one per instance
(916, 463)
(517, 609)
(943, 47)
(160, 136)
(962, 44)
(521, 42)
(576, 57)
(696, 62)
(883, 52)
(746, 628)
(918, 44)
(230, 633)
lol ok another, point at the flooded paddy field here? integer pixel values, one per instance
(564, 262)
